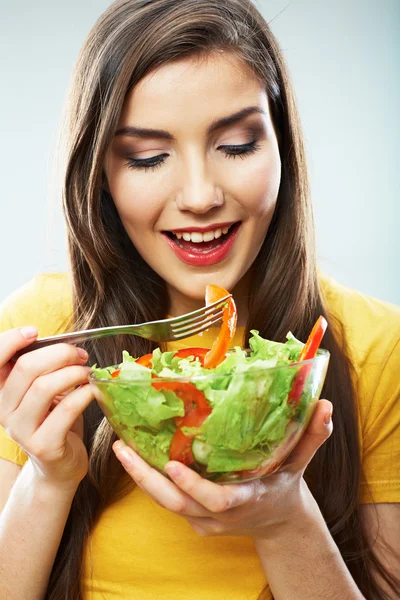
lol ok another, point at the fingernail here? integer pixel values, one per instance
(83, 354)
(118, 445)
(28, 332)
(328, 418)
(125, 457)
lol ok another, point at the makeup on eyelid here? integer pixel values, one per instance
(142, 148)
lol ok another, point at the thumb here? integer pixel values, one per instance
(318, 431)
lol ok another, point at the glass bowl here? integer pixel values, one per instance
(257, 416)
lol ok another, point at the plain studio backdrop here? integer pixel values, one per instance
(343, 57)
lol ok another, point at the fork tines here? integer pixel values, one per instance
(181, 332)
(200, 319)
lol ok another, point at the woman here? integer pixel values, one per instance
(182, 122)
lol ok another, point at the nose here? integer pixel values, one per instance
(198, 191)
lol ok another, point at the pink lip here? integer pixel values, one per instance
(203, 229)
(198, 259)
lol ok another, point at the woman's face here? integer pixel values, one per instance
(194, 171)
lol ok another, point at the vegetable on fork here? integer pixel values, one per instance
(228, 328)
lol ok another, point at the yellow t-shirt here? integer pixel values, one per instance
(143, 552)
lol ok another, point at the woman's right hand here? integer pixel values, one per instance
(36, 409)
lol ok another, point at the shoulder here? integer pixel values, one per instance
(371, 326)
(44, 301)
(372, 332)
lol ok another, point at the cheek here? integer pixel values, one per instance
(137, 203)
(256, 185)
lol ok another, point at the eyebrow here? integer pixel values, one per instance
(145, 133)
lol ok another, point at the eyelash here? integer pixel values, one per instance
(230, 151)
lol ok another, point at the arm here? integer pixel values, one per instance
(9, 472)
(33, 518)
(302, 562)
(43, 416)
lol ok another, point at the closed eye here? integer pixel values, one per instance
(146, 163)
(230, 151)
(242, 150)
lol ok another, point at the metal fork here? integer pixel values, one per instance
(165, 330)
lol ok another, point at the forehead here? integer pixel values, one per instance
(198, 89)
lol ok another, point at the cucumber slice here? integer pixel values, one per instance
(201, 451)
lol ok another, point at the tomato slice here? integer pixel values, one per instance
(196, 352)
(193, 399)
(115, 373)
(181, 445)
(228, 327)
(197, 410)
(309, 351)
(181, 448)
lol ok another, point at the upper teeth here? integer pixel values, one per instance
(197, 236)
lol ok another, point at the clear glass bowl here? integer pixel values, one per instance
(250, 432)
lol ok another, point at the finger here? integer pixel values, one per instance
(78, 427)
(34, 364)
(215, 498)
(5, 371)
(156, 485)
(38, 400)
(317, 432)
(10, 342)
(60, 421)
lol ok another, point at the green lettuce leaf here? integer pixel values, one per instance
(276, 352)
(247, 393)
(154, 447)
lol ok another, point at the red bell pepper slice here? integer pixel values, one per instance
(195, 352)
(314, 339)
(226, 334)
(309, 351)
(115, 373)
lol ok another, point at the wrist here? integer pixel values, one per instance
(48, 489)
(298, 523)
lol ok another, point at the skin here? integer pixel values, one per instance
(197, 184)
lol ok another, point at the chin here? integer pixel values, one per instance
(195, 286)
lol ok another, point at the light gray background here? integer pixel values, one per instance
(344, 58)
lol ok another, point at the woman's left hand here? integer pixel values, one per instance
(254, 508)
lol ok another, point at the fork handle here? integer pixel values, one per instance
(77, 338)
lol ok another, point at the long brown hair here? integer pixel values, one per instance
(112, 284)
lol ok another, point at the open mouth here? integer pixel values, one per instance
(203, 242)
(203, 248)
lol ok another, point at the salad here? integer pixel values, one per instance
(223, 413)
